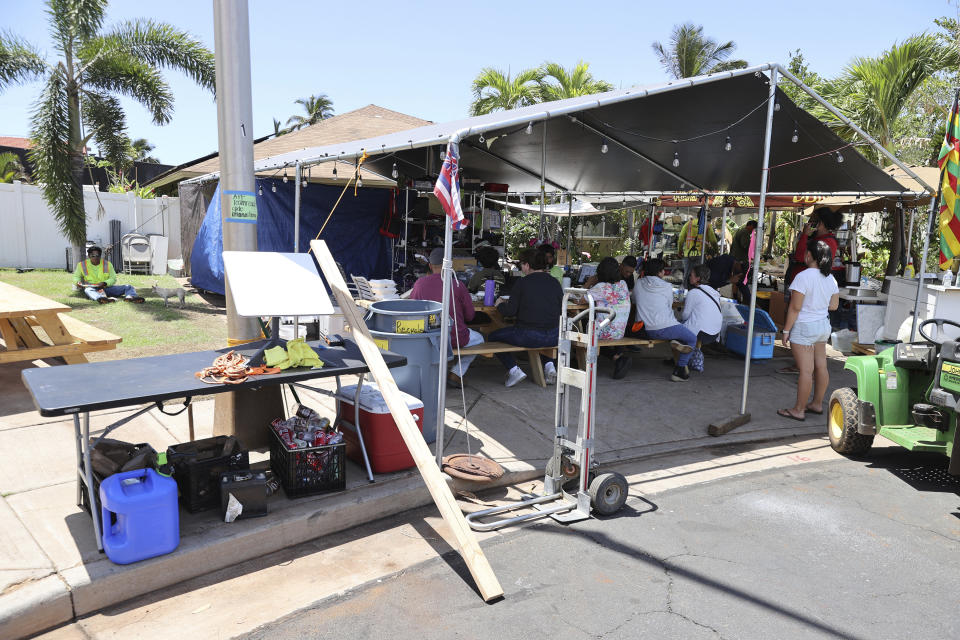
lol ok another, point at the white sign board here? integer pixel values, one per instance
(275, 284)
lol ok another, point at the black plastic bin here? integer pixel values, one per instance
(197, 467)
(309, 471)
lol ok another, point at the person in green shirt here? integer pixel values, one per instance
(551, 255)
(740, 247)
(98, 279)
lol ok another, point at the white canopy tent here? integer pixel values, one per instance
(645, 129)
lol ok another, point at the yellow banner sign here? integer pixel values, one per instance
(410, 326)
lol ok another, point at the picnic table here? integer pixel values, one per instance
(62, 391)
(22, 312)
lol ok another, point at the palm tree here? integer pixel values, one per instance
(278, 129)
(10, 168)
(317, 108)
(495, 91)
(690, 53)
(569, 83)
(874, 91)
(95, 67)
(140, 149)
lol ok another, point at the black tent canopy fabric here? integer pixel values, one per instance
(689, 121)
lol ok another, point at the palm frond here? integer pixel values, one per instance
(53, 158)
(73, 22)
(159, 44)
(690, 53)
(495, 91)
(105, 119)
(115, 71)
(19, 60)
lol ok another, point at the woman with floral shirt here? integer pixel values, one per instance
(611, 292)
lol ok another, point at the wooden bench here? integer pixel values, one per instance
(489, 349)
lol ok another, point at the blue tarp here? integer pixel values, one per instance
(352, 233)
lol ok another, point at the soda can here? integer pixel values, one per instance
(306, 412)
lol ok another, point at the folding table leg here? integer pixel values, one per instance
(88, 473)
(77, 441)
(356, 425)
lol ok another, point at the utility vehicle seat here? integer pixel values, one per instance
(915, 356)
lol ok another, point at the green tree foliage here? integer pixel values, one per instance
(317, 108)
(11, 168)
(557, 83)
(494, 90)
(690, 53)
(94, 67)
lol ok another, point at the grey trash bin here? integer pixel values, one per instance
(420, 375)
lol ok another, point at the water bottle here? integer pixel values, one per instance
(489, 292)
(948, 278)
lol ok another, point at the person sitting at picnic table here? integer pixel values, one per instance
(98, 280)
(701, 312)
(611, 292)
(430, 287)
(551, 254)
(628, 271)
(489, 259)
(653, 297)
(536, 301)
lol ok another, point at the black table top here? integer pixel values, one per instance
(66, 390)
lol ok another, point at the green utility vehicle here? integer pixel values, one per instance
(908, 394)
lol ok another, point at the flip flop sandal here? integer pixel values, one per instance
(784, 413)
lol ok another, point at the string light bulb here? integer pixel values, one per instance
(359, 180)
(334, 169)
(260, 191)
(676, 159)
(728, 146)
(776, 106)
(795, 136)
(285, 179)
(273, 187)
(839, 157)
(304, 183)
(603, 147)
(393, 172)
(481, 139)
(529, 128)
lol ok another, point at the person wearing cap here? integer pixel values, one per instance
(821, 225)
(98, 280)
(430, 287)
(551, 254)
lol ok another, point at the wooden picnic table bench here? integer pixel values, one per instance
(21, 312)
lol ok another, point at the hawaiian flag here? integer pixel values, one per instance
(447, 188)
(949, 162)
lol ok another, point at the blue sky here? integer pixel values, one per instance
(420, 57)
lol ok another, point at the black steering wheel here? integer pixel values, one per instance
(939, 322)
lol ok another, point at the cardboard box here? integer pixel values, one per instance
(778, 308)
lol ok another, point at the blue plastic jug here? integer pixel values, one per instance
(140, 517)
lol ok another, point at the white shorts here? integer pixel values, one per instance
(810, 333)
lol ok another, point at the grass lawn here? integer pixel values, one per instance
(147, 329)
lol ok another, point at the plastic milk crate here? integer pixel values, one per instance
(310, 470)
(764, 334)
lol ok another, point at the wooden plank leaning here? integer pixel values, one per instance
(467, 544)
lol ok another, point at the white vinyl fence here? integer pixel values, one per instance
(30, 237)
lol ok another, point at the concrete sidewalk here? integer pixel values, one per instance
(51, 572)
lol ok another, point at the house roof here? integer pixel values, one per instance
(365, 122)
(15, 142)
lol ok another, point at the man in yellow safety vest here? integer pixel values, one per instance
(97, 279)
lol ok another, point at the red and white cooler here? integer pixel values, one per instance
(386, 449)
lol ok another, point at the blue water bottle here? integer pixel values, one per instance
(489, 292)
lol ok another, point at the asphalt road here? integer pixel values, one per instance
(837, 549)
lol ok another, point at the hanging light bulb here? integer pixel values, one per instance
(776, 106)
(795, 136)
(393, 172)
(728, 146)
(529, 128)
(304, 183)
(603, 147)
(839, 157)
(359, 180)
(676, 159)
(481, 139)
(284, 176)
(259, 191)
(334, 169)
(273, 187)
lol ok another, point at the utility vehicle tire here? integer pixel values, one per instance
(842, 422)
(608, 493)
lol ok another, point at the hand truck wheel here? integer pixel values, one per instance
(608, 493)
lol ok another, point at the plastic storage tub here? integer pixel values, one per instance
(140, 517)
(404, 316)
(764, 334)
(386, 449)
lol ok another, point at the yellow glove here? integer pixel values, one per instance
(276, 357)
(302, 355)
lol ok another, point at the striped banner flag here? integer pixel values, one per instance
(447, 188)
(949, 162)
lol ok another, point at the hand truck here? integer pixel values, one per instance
(571, 485)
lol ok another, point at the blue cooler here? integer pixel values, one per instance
(764, 334)
(140, 517)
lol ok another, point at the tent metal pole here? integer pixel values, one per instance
(866, 136)
(406, 224)
(706, 224)
(569, 224)
(297, 173)
(653, 213)
(723, 231)
(543, 172)
(447, 279)
(927, 230)
(758, 248)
